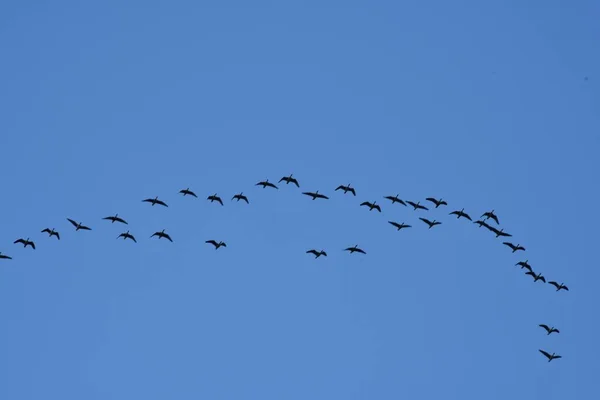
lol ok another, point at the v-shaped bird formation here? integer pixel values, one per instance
(345, 189)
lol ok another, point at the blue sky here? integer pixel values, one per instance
(485, 105)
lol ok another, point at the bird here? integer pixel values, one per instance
(317, 253)
(536, 277)
(524, 264)
(399, 226)
(430, 223)
(550, 356)
(355, 249)
(155, 201)
(214, 197)
(499, 232)
(116, 218)
(461, 213)
(490, 214)
(240, 196)
(290, 179)
(557, 286)
(346, 188)
(513, 247)
(315, 195)
(217, 245)
(548, 329)
(437, 203)
(26, 242)
(161, 235)
(127, 235)
(187, 192)
(4, 257)
(417, 205)
(482, 223)
(79, 225)
(395, 199)
(371, 206)
(266, 183)
(51, 233)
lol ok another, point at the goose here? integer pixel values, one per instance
(548, 329)
(217, 245)
(51, 232)
(240, 196)
(161, 235)
(79, 225)
(430, 223)
(155, 201)
(266, 184)
(317, 253)
(315, 195)
(115, 218)
(214, 197)
(371, 205)
(346, 188)
(395, 199)
(524, 264)
(437, 203)
(513, 247)
(460, 214)
(557, 286)
(355, 249)
(399, 226)
(26, 242)
(187, 192)
(127, 235)
(289, 179)
(536, 277)
(550, 356)
(417, 205)
(490, 215)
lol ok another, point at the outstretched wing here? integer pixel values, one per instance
(162, 203)
(167, 237)
(397, 225)
(467, 216)
(542, 279)
(72, 222)
(428, 222)
(553, 283)
(361, 251)
(365, 203)
(546, 354)
(85, 228)
(495, 218)
(546, 327)
(46, 230)
(509, 244)
(353, 191)
(213, 242)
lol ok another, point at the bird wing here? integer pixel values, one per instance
(349, 249)
(285, 178)
(323, 196)
(546, 327)
(85, 228)
(361, 251)
(148, 200)
(272, 185)
(467, 216)
(454, 213)
(121, 220)
(295, 182)
(308, 193)
(553, 283)
(557, 357)
(162, 203)
(219, 200)
(32, 245)
(341, 187)
(509, 244)
(428, 222)
(566, 288)
(312, 252)
(495, 218)
(530, 273)
(365, 203)
(491, 228)
(431, 199)
(423, 207)
(504, 234)
(412, 203)
(57, 235)
(546, 354)
(19, 241)
(213, 242)
(46, 230)
(245, 199)
(133, 238)
(443, 202)
(377, 208)
(72, 222)
(168, 237)
(521, 247)
(437, 223)
(192, 193)
(556, 330)
(397, 225)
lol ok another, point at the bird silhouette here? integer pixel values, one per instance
(51, 232)
(430, 223)
(355, 249)
(214, 197)
(290, 179)
(155, 201)
(266, 184)
(399, 226)
(79, 225)
(417, 205)
(557, 286)
(161, 235)
(127, 235)
(187, 192)
(317, 253)
(240, 196)
(499, 232)
(536, 277)
(315, 195)
(550, 356)
(437, 203)
(513, 247)
(490, 215)
(4, 257)
(346, 188)
(482, 223)
(25, 242)
(548, 329)
(217, 245)
(395, 199)
(115, 218)
(524, 264)
(371, 206)
(461, 214)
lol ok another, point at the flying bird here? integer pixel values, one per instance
(548, 329)
(161, 235)
(187, 192)
(346, 188)
(315, 195)
(437, 203)
(557, 286)
(127, 235)
(115, 218)
(536, 277)
(395, 199)
(417, 205)
(290, 179)
(550, 356)
(430, 223)
(52, 232)
(240, 196)
(26, 242)
(214, 197)
(513, 247)
(217, 245)
(371, 206)
(4, 257)
(265, 184)
(317, 253)
(399, 226)
(155, 201)
(499, 232)
(355, 249)
(460, 214)
(524, 264)
(482, 223)
(79, 225)
(490, 215)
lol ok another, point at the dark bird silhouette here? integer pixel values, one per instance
(550, 356)
(217, 245)
(355, 249)
(399, 226)
(460, 214)
(395, 199)
(79, 225)
(127, 235)
(265, 184)
(52, 232)
(187, 191)
(155, 201)
(536, 277)
(499, 232)
(290, 179)
(430, 223)
(240, 196)
(437, 203)
(371, 206)
(482, 223)
(548, 329)
(315, 195)
(115, 218)
(214, 197)
(513, 247)
(346, 188)
(417, 205)
(557, 286)
(4, 257)
(490, 215)
(26, 242)
(317, 253)
(161, 235)
(524, 264)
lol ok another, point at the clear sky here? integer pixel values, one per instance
(485, 104)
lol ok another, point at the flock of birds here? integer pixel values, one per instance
(482, 222)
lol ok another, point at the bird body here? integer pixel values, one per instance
(216, 198)
(266, 184)
(216, 244)
(513, 247)
(115, 218)
(399, 226)
(290, 179)
(355, 249)
(51, 232)
(460, 214)
(161, 235)
(79, 225)
(549, 356)
(127, 235)
(430, 223)
(371, 206)
(187, 192)
(557, 286)
(346, 188)
(317, 253)
(437, 203)
(417, 205)
(315, 195)
(548, 329)
(240, 196)
(25, 242)
(155, 201)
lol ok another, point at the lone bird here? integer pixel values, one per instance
(499, 232)
(26, 242)
(317, 253)
(513, 247)
(217, 245)
(460, 214)
(482, 223)
(490, 215)
(316, 195)
(266, 184)
(430, 223)
(548, 329)
(155, 201)
(187, 192)
(524, 264)
(52, 232)
(395, 199)
(240, 196)
(550, 356)
(417, 205)
(127, 235)
(214, 197)
(161, 235)
(346, 188)
(79, 225)
(116, 218)
(399, 226)
(290, 179)
(437, 203)
(557, 286)
(355, 249)
(536, 277)
(4, 257)
(371, 206)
